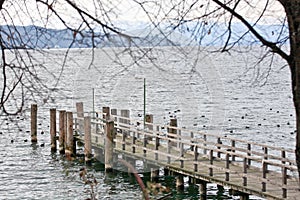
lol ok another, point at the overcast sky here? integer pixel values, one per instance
(29, 12)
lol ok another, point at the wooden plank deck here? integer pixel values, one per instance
(244, 166)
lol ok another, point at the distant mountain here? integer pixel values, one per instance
(143, 34)
(37, 37)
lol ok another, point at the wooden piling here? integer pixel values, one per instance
(62, 131)
(179, 182)
(33, 123)
(154, 175)
(203, 189)
(70, 139)
(53, 129)
(109, 132)
(87, 139)
(80, 115)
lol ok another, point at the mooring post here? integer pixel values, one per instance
(109, 132)
(70, 139)
(62, 132)
(53, 129)
(87, 139)
(80, 115)
(33, 123)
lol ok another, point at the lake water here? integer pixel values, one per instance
(221, 94)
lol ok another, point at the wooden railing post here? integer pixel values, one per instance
(149, 126)
(33, 123)
(219, 153)
(109, 146)
(249, 154)
(211, 162)
(87, 139)
(125, 122)
(245, 172)
(181, 154)
(70, 139)
(192, 141)
(205, 139)
(227, 167)
(114, 112)
(196, 158)
(284, 182)
(168, 151)
(62, 132)
(233, 149)
(53, 129)
(266, 155)
(264, 175)
(173, 123)
(156, 142)
(133, 141)
(106, 113)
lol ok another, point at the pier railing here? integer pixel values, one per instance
(242, 165)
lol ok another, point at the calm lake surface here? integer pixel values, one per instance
(219, 94)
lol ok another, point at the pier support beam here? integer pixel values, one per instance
(203, 189)
(243, 196)
(33, 123)
(53, 129)
(109, 132)
(154, 175)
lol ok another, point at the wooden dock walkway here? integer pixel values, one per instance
(243, 166)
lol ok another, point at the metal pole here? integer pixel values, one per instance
(93, 102)
(144, 103)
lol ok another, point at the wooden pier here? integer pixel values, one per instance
(245, 167)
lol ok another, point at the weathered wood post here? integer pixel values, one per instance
(33, 123)
(80, 115)
(109, 146)
(53, 129)
(62, 132)
(70, 139)
(173, 123)
(87, 139)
